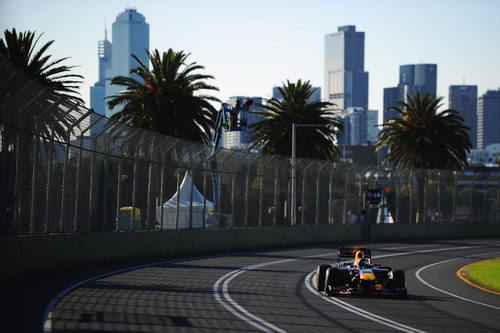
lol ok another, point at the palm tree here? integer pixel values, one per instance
(19, 49)
(28, 64)
(167, 99)
(422, 138)
(273, 132)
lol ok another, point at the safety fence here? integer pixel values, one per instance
(66, 169)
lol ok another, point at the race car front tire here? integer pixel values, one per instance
(320, 277)
(333, 278)
(399, 279)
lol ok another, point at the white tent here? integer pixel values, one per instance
(186, 203)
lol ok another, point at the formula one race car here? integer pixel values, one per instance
(360, 277)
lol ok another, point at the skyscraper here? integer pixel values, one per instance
(97, 90)
(130, 35)
(488, 119)
(464, 99)
(346, 82)
(420, 78)
(371, 126)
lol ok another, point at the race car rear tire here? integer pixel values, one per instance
(320, 277)
(399, 279)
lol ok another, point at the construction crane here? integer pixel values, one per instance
(229, 119)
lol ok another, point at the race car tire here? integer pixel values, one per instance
(334, 277)
(399, 279)
(320, 277)
(329, 277)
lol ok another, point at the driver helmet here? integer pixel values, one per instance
(359, 259)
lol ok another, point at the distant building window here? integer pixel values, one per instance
(334, 96)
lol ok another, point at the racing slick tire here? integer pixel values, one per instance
(320, 277)
(399, 281)
(333, 278)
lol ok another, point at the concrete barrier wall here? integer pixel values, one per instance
(27, 255)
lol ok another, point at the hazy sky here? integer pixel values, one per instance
(250, 46)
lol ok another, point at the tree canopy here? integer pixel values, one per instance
(169, 98)
(273, 132)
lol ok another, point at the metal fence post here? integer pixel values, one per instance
(411, 197)
(303, 213)
(275, 199)
(150, 184)
(78, 175)
(470, 197)
(191, 196)
(49, 172)
(20, 153)
(261, 186)
(247, 189)
(144, 140)
(318, 181)
(119, 181)
(107, 125)
(65, 169)
(34, 175)
(454, 204)
(188, 149)
(233, 186)
(330, 195)
(162, 176)
(439, 196)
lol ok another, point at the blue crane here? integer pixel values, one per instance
(231, 119)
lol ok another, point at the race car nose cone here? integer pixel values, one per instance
(367, 276)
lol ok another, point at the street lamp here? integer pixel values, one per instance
(293, 216)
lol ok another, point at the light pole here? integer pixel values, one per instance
(293, 210)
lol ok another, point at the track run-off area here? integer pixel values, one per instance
(274, 291)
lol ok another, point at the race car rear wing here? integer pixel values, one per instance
(351, 252)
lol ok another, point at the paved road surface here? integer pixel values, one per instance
(260, 291)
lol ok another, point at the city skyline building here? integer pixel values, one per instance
(104, 60)
(463, 98)
(355, 126)
(372, 128)
(420, 78)
(345, 78)
(130, 35)
(488, 119)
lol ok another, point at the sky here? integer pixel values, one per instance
(251, 46)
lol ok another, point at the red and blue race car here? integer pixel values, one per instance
(360, 277)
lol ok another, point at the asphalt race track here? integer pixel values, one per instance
(269, 291)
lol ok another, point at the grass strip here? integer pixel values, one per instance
(486, 273)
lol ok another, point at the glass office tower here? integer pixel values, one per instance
(488, 119)
(97, 90)
(420, 78)
(464, 99)
(130, 36)
(346, 82)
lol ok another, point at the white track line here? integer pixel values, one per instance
(419, 277)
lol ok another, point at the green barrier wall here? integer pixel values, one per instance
(27, 255)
